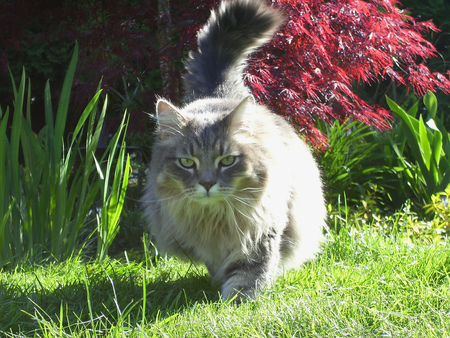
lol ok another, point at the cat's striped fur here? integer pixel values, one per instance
(230, 183)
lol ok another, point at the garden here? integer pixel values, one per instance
(365, 82)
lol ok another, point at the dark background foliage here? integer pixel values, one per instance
(332, 60)
(437, 11)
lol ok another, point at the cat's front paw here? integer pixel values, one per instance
(239, 297)
(239, 291)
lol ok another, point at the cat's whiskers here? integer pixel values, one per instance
(239, 231)
(240, 211)
(252, 189)
(182, 197)
(244, 200)
(248, 191)
(163, 199)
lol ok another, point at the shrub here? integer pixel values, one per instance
(349, 162)
(439, 209)
(422, 146)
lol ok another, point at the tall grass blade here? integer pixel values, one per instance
(16, 172)
(4, 164)
(6, 202)
(113, 197)
(63, 106)
(84, 190)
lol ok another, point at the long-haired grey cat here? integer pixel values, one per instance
(230, 183)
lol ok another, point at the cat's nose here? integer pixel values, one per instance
(207, 185)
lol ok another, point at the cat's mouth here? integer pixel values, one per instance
(208, 194)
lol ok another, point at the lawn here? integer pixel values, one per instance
(362, 285)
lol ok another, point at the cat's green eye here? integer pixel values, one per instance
(187, 163)
(228, 160)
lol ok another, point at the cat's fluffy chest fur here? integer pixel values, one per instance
(230, 183)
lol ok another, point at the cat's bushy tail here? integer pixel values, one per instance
(234, 30)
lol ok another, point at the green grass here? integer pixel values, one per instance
(362, 285)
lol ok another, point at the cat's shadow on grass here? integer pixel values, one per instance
(165, 294)
(107, 297)
(183, 292)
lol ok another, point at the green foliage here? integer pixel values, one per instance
(437, 11)
(48, 189)
(380, 173)
(439, 208)
(422, 149)
(355, 165)
(408, 221)
(42, 60)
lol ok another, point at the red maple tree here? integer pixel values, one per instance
(326, 46)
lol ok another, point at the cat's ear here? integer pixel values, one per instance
(241, 118)
(169, 118)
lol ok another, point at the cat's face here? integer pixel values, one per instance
(205, 175)
(205, 159)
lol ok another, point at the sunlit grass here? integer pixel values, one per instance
(363, 284)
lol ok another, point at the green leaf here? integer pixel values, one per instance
(63, 106)
(92, 105)
(411, 131)
(99, 169)
(431, 104)
(6, 253)
(437, 147)
(48, 106)
(113, 197)
(445, 180)
(413, 110)
(13, 82)
(424, 144)
(4, 177)
(15, 135)
(411, 122)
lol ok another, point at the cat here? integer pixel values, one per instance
(230, 183)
